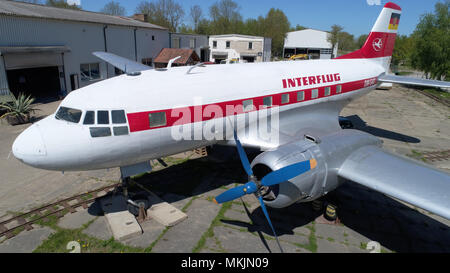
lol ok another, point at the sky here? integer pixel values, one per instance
(355, 16)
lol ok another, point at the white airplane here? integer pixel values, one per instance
(131, 119)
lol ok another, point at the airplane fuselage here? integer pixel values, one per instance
(130, 119)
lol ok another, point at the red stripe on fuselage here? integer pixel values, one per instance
(139, 121)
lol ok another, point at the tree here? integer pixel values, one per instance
(333, 37)
(361, 40)
(431, 52)
(196, 15)
(276, 25)
(225, 17)
(404, 46)
(346, 42)
(165, 13)
(297, 27)
(113, 8)
(61, 4)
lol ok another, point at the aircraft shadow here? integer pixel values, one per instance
(372, 215)
(361, 125)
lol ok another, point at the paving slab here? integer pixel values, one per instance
(99, 229)
(335, 232)
(26, 241)
(326, 246)
(178, 201)
(234, 241)
(183, 237)
(76, 220)
(163, 212)
(152, 230)
(123, 224)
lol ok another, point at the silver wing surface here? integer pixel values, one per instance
(399, 177)
(121, 63)
(413, 81)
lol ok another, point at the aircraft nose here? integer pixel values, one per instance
(29, 145)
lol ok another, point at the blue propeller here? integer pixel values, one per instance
(254, 186)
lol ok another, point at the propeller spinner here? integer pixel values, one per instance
(254, 186)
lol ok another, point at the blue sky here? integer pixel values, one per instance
(356, 16)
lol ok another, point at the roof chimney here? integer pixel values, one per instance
(140, 17)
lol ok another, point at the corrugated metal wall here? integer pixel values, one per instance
(4, 90)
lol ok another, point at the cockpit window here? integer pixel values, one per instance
(102, 117)
(89, 118)
(68, 114)
(118, 116)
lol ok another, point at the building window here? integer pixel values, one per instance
(214, 44)
(250, 45)
(192, 43)
(314, 93)
(327, 91)
(89, 118)
(157, 119)
(228, 43)
(267, 102)
(153, 37)
(147, 61)
(247, 105)
(102, 117)
(284, 98)
(90, 72)
(338, 89)
(175, 42)
(300, 96)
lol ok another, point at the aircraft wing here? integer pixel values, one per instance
(413, 81)
(121, 63)
(399, 177)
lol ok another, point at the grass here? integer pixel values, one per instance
(210, 232)
(417, 155)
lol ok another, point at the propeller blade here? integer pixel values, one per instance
(243, 156)
(234, 193)
(288, 172)
(263, 207)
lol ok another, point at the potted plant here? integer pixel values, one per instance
(18, 110)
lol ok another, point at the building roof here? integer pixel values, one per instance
(307, 38)
(236, 35)
(40, 11)
(167, 54)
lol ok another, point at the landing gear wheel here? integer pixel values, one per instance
(140, 200)
(331, 212)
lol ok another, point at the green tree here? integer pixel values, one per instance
(346, 42)
(404, 46)
(431, 52)
(297, 27)
(61, 4)
(113, 8)
(276, 25)
(333, 37)
(361, 40)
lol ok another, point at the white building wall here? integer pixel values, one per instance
(82, 39)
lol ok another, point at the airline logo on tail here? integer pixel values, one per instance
(395, 20)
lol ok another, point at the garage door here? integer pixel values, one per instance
(41, 82)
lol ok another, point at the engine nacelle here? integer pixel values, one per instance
(329, 151)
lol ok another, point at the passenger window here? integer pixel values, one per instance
(338, 89)
(314, 93)
(300, 96)
(157, 119)
(120, 131)
(284, 98)
(102, 117)
(118, 116)
(248, 105)
(267, 101)
(327, 91)
(100, 131)
(89, 118)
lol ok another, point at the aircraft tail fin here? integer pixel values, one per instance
(381, 40)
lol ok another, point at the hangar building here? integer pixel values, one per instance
(47, 51)
(308, 41)
(197, 42)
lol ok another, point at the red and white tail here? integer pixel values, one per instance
(380, 43)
